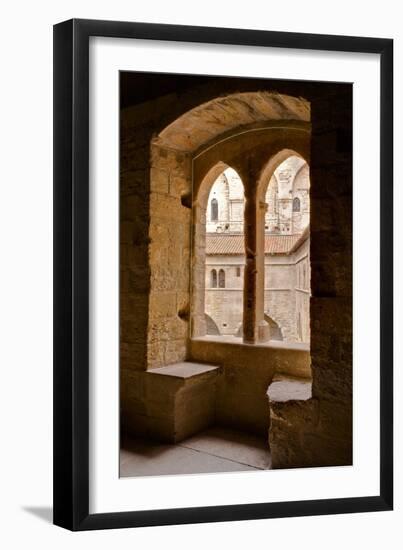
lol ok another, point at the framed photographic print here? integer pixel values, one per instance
(223, 274)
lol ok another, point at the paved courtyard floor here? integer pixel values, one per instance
(213, 450)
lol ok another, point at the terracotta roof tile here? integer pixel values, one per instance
(227, 243)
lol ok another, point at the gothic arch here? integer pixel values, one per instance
(271, 166)
(200, 205)
(209, 138)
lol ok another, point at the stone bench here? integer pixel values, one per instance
(285, 388)
(292, 412)
(180, 400)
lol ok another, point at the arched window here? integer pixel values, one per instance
(296, 205)
(214, 210)
(221, 278)
(213, 278)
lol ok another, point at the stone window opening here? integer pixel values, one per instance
(213, 278)
(214, 210)
(222, 244)
(221, 279)
(276, 235)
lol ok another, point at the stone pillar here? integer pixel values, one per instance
(263, 328)
(255, 328)
(198, 271)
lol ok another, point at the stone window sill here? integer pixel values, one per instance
(287, 388)
(235, 341)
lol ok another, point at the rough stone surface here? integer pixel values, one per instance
(226, 113)
(183, 370)
(246, 372)
(170, 403)
(284, 389)
(163, 192)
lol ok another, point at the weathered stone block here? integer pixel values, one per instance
(184, 393)
(159, 181)
(162, 304)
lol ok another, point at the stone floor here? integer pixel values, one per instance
(213, 450)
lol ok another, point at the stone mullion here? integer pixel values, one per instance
(263, 329)
(250, 274)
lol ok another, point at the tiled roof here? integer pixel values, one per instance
(226, 243)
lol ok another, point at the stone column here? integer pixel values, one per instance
(250, 274)
(255, 328)
(263, 328)
(198, 276)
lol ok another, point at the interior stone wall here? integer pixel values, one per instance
(246, 372)
(331, 274)
(322, 435)
(169, 257)
(135, 133)
(154, 306)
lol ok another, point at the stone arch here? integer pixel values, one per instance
(271, 166)
(200, 206)
(205, 132)
(211, 326)
(275, 330)
(215, 119)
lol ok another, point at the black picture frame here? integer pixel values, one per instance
(71, 274)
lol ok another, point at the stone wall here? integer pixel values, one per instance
(303, 292)
(246, 373)
(280, 306)
(155, 282)
(135, 135)
(323, 434)
(225, 307)
(331, 277)
(169, 257)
